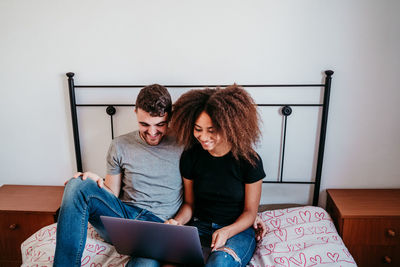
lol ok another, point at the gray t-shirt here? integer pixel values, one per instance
(150, 174)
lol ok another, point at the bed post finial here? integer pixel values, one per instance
(329, 72)
(70, 74)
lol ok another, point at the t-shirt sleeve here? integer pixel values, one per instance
(254, 173)
(113, 160)
(186, 164)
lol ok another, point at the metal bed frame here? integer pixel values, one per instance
(286, 111)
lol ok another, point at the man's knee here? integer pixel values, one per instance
(77, 186)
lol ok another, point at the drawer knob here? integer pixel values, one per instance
(387, 259)
(391, 233)
(13, 226)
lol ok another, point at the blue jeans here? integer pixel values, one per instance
(84, 201)
(242, 245)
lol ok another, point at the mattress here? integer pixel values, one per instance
(296, 236)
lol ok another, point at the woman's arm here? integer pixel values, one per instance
(186, 211)
(245, 220)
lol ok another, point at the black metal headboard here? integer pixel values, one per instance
(285, 111)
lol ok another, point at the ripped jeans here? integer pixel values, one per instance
(238, 249)
(84, 201)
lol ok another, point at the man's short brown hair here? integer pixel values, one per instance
(154, 99)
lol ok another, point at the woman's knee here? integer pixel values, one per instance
(224, 256)
(236, 252)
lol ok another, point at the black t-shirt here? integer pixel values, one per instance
(218, 183)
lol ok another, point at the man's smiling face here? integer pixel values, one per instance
(151, 129)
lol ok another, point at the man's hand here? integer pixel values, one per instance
(172, 221)
(260, 228)
(219, 238)
(90, 175)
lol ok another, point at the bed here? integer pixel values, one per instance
(298, 235)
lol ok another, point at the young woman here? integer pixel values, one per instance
(222, 173)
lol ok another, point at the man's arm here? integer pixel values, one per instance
(186, 211)
(113, 183)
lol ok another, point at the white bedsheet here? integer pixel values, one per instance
(303, 236)
(38, 250)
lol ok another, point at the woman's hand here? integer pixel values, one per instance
(90, 175)
(260, 228)
(219, 238)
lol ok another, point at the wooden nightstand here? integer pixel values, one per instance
(368, 220)
(24, 209)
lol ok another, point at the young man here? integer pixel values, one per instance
(142, 169)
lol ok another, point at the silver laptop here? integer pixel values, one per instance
(164, 242)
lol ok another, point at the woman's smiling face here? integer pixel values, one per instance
(208, 137)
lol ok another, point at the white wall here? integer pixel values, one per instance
(181, 42)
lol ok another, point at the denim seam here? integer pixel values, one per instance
(105, 203)
(78, 259)
(248, 249)
(140, 214)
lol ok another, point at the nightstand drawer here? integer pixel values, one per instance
(375, 256)
(15, 227)
(372, 231)
(24, 209)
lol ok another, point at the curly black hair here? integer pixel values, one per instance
(233, 113)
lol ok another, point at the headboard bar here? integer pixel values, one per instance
(72, 101)
(321, 147)
(200, 86)
(259, 105)
(323, 124)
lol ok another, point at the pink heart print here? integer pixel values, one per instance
(281, 234)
